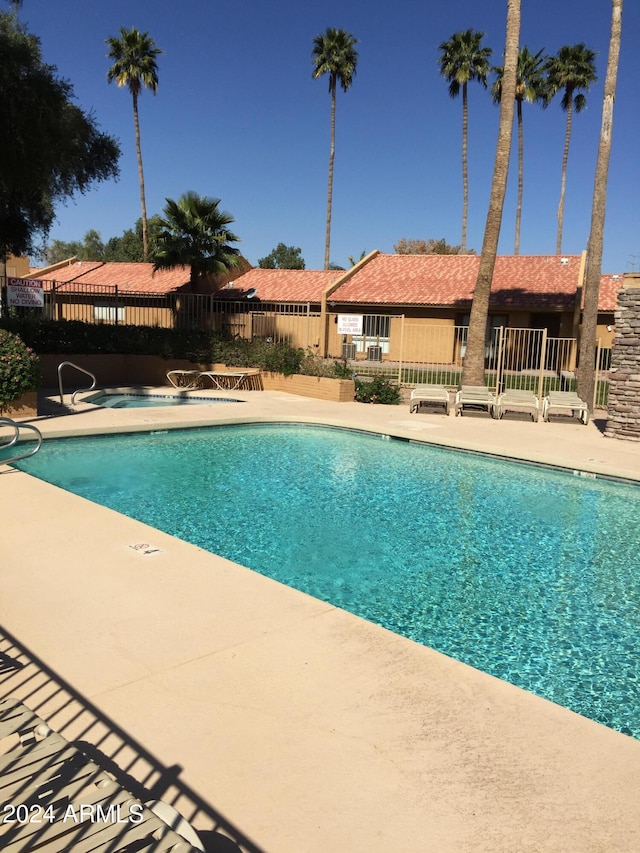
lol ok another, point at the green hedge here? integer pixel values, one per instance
(198, 345)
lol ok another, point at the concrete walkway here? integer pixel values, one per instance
(278, 720)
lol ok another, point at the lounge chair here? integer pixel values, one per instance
(434, 394)
(565, 401)
(512, 400)
(475, 397)
(63, 801)
(187, 380)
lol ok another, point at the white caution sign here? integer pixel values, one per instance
(25, 293)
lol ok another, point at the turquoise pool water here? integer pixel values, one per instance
(143, 401)
(528, 574)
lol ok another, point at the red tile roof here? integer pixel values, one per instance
(527, 281)
(608, 292)
(127, 277)
(281, 285)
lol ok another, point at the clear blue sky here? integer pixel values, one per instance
(237, 116)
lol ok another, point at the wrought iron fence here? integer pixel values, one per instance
(409, 351)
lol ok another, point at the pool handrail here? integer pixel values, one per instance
(79, 390)
(17, 427)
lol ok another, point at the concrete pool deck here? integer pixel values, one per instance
(287, 723)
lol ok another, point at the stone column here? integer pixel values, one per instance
(624, 389)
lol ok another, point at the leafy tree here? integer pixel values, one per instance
(49, 148)
(134, 66)
(195, 233)
(571, 71)
(427, 247)
(334, 53)
(530, 87)
(90, 249)
(461, 60)
(473, 369)
(129, 247)
(586, 373)
(283, 258)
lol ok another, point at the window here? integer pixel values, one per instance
(107, 312)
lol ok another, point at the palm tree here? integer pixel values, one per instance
(334, 54)
(530, 86)
(461, 60)
(586, 373)
(195, 233)
(134, 65)
(572, 71)
(473, 370)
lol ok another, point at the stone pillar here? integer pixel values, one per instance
(624, 389)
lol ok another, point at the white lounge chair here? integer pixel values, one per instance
(434, 394)
(65, 801)
(565, 401)
(515, 400)
(475, 397)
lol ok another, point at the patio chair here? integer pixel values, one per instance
(514, 400)
(565, 401)
(63, 801)
(434, 394)
(475, 397)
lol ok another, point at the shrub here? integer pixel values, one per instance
(378, 389)
(18, 368)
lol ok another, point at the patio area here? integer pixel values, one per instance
(277, 722)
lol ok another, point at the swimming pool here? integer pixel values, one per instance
(528, 574)
(140, 401)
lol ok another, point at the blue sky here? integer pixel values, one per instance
(237, 116)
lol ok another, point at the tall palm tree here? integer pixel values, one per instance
(586, 372)
(463, 59)
(572, 70)
(134, 66)
(530, 87)
(334, 53)
(194, 232)
(473, 370)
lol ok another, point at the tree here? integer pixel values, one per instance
(427, 247)
(195, 233)
(353, 261)
(462, 60)
(572, 70)
(530, 87)
(283, 258)
(586, 372)
(49, 148)
(90, 249)
(334, 54)
(129, 247)
(473, 369)
(134, 66)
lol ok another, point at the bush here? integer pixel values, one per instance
(18, 368)
(379, 389)
(69, 337)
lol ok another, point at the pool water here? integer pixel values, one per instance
(529, 574)
(142, 401)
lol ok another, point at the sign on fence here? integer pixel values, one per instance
(25, 293)
(349, 324)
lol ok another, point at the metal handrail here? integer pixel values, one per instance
(16, 431)
(18, 427)
(79, 390)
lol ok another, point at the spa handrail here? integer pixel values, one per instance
(82, 370)
(17, 427)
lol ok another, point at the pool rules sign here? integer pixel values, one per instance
(25, 293)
